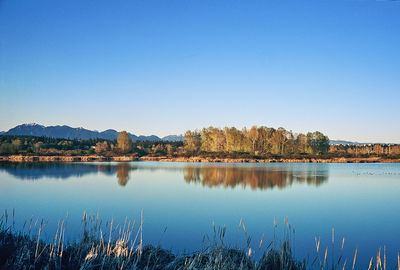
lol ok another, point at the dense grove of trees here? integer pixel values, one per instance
(256, 141)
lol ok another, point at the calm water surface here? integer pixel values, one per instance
(181, 201)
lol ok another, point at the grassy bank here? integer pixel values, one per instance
(121, 247)
(21, 252)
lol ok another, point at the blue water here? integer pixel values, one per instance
(182, 201)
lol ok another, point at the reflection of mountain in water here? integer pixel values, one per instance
(38, 170)
(254, 177)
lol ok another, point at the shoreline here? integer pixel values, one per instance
(195, 159)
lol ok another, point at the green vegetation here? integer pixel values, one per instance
(30, 145)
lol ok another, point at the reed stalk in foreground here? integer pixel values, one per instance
(370, 263)
(354, 259)
(398, 261)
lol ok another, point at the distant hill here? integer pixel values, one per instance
(344, 142)
(353, 143)
(173, 138)
(67, 132)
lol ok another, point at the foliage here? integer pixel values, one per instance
(31, 145)
(192, 142)
(257, 141)
(124, 142)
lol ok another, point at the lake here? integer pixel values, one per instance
(182, 201)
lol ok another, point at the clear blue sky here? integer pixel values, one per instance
(162, 67)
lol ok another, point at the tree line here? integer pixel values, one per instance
(256, 141)
(31, 145)
(367, 150)
(10, 145)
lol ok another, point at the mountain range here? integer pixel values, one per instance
(67, 132)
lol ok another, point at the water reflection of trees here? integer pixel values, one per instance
(123, 173)
(254, 177)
